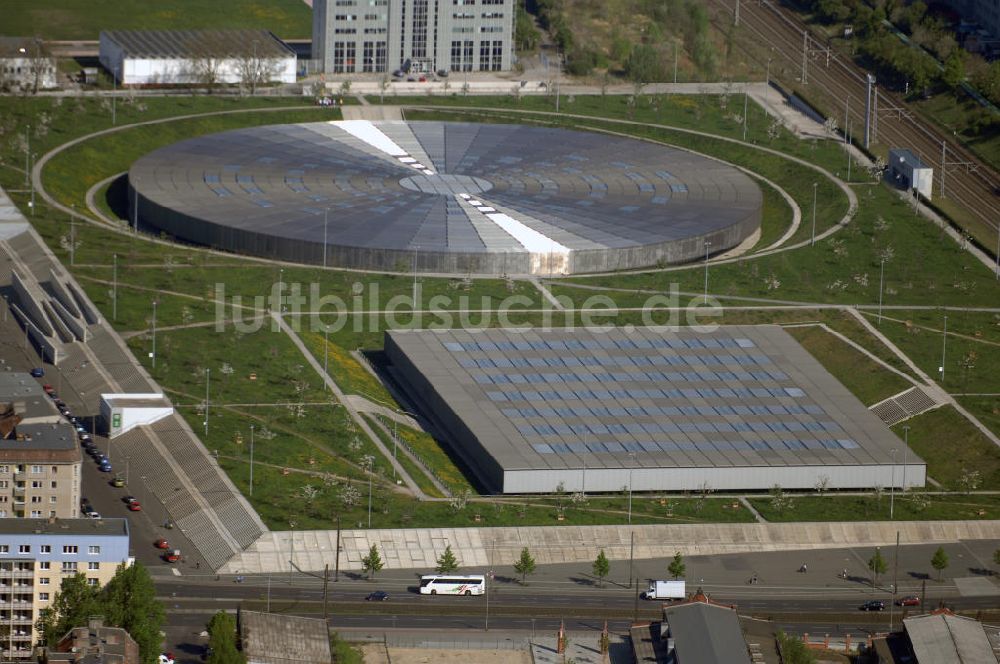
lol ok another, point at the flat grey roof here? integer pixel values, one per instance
(194, 43)
(283, 639)
(64, 527)
(944, 638)
(566, 398)
(347, 182)
(48, 430)
(10, 47)
(706, 634)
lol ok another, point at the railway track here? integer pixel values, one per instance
(833, 79)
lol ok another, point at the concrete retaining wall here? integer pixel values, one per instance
(481, 547)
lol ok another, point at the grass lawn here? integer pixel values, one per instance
(971, 362)
(418, 475)
(278, 499)
(79, 19)
(869, 381)
(953, 448)
(925, 268)
(908, 507)
(985, 409)
(429, 451)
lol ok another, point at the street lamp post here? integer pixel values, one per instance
(370, 492)
(707, 245)
(892, 485)
(152, 355)
(944, 346)
(251, 460)
(208, 380)
(906, 448)
(813, 240)
(114, 287)
(881, 282)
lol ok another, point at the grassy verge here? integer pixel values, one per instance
(907, 506)
(869, 381)
(971, 351)
(77, 19)
(953, 449)
(418, 475)
(429, 451)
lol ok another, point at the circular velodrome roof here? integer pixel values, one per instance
(450, 197)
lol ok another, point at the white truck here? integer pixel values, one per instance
(665, 590)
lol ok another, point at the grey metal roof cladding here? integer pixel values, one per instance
(746, 399)
(944, 638)
(191, 43)
(264, 191)
(706, 634)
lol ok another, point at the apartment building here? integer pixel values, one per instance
(36, 554)
(39, 453)
(376, 36)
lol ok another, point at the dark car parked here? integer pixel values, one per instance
(873, 605)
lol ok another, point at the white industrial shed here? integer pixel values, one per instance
(196, 57)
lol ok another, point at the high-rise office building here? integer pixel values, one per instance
(376, 36)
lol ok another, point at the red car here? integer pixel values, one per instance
(134, 506)
(172, 556)
(161, 544)
(909, 600)
(48, 389)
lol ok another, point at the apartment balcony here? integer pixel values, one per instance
(19, 491)
(20, 476)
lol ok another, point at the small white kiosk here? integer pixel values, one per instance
(123, 412)
(906, 171)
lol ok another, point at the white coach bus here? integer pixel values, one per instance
(466, 584)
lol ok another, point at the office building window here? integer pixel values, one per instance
(24, 548)
(484, 56)
(94, 550)
(419, 44)
(45, 548)
(45, 565)
(344, 54)
(467, 51)
(497, 56)
(93, 566)
(70, 548)
(373, 56)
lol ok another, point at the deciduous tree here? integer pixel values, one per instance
(677, 566)
(524, 565)
(601, 567)
(372, 562)
(446, 563)
(939, 561)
